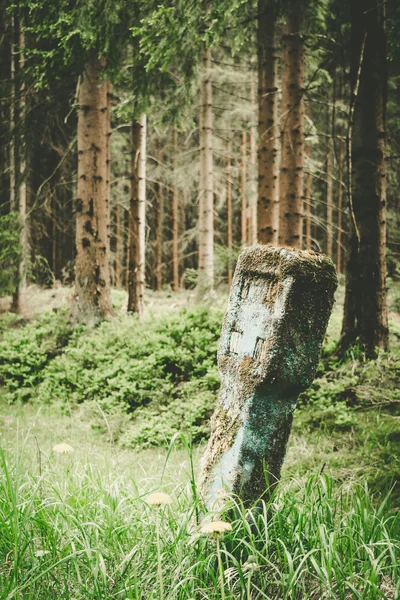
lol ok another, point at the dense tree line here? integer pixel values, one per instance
(145, 143)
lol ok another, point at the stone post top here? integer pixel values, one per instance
(283, 261)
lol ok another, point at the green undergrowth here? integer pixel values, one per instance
(77, 530)
(346, 385)
(351, 416)
(141, 380)
(28, 347)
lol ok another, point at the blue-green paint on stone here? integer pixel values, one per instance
(271, 340)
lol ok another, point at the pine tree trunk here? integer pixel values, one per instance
(13, 206)
(206, 203)
(175, 222)
(307, 206)
(365, 317)
(253, 162)
(137, 215)
(54, 232)
(125, 249)
(268, 126)
(340, 211)
(117, 267)
(291, 179)
(92, 268)
(329, 199)
(159, 235)
(18, 296)
(108, 164)
(229, 209)
(243, 177)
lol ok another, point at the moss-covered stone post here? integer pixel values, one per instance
(279, 306)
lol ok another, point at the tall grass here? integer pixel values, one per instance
(73, 531)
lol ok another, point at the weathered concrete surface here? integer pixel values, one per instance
(271, 340)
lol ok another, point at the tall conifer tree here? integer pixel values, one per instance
(365, 317)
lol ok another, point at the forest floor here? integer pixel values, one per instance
(76, 526)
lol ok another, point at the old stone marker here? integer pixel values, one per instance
(271, 340)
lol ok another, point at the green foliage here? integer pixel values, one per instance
(164, 367)
(189, 413)
(27, 348)
(353, 383)
(66, 32)
(135, 363)
(10, 252)
(393, 29)
(176, 33)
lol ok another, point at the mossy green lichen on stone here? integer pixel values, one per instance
(270, 345)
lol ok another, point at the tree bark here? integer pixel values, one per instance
(92, 283)
(307, 206)
(206, 203)
(365, 317)
(159, 193)
(243, 178)
(117, 245)
(340, 211)
(253, 162)
(175, 222)
(18, 295)
(13, 206)
(268, 126)
(229, 209)
(329, 198)
(108, 164)
(54, 233)
(159, 235)
(137, 216)
(125, 248)
(291, 179)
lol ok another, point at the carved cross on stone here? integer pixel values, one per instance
(270, 345)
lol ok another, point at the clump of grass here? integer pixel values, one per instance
(74, 530)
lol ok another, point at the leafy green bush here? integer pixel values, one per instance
(134, 362)
(161, 369)
(345, 385)
(189, 413)
(27, 348)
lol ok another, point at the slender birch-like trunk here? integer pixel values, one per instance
(229, 208)
(125, 249)
(159, 235)
(253, 162)
(18, 296)
(268, 126)
(54, 232)
(329, 198)
(137, 216)
(159, 221)
(175, 222)
(108, 164)
(307, 206)
(206, 203)
(13, 206)
(117, 267)
(92, 269)
(340, 210)
(291, 178)
(243, 179)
